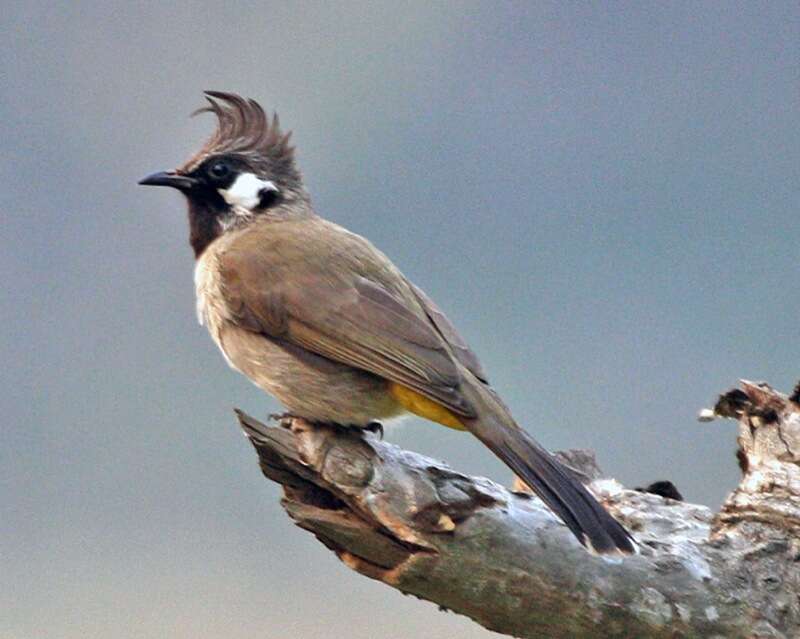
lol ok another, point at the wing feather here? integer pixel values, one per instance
(349, 319)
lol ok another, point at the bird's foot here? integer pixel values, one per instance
(376, 428)
(283, 419)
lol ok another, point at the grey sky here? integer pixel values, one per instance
(603, 199)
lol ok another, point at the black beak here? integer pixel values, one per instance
(169, 178)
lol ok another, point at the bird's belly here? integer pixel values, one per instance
(308, 385)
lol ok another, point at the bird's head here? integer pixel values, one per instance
(246, 170)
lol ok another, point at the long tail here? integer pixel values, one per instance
(556, 486)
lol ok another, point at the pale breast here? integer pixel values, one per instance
(211, 307)
(308, 385)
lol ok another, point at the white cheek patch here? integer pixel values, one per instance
(246, 191)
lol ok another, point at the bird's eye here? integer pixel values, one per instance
(219, 170)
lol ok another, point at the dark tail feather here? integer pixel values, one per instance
(555, 485)
(565, 495)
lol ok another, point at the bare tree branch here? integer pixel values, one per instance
(501, 558)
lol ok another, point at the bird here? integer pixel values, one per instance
(319, 318)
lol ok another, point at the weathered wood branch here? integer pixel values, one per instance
(501, 558)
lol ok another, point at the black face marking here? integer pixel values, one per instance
(220, 172)
(206, 204)
(268, 198)
(205, 208)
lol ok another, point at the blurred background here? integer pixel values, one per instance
(603, 199)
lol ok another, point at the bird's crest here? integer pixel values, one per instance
(243, 128)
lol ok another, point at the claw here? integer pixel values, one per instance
(376, 428)
(281, 418)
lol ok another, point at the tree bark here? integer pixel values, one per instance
(501, 558)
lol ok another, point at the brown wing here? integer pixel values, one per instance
(461, 350)
(345, 317)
